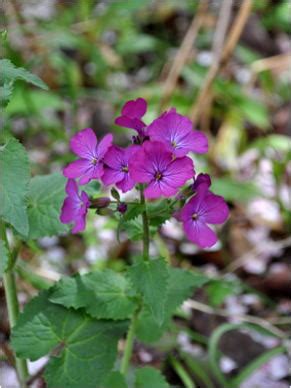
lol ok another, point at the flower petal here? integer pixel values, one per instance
(198, 142)
(126, 184)
(80, 224)
(111, 176)
(134, 108)
(84, 143)
(68, 211)
(139, 168)
(153, 190)
(114, 157)
(214, 209)
(77, 168)
(72, 188)
(178, 172)
(158, 157)
(127, 122)
(85, 199)
(199, 233)
(201, 178)
(193, 205)
(95, 172)
(104, 145)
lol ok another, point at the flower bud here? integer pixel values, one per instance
(115, 194)
(100, 203)
(122, 207)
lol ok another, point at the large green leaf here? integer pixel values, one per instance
(83, 350)
(10, 73)
(149, 377)
(45, 198)
(182, 284)
(115, 380)
(103, 294)
(3, 258)
(14, 178)
(150, 278)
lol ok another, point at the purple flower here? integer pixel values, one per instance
(176, 132)
(131, 114)
(116, 167)
(153, 164)
(202, 209)
(75, 207)
(85, 145)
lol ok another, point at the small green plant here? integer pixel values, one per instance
(80, 320)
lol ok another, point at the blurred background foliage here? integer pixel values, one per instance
(94, 56)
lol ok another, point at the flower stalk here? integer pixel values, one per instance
(131, 332)
(13, 307)
(146, 233)
(129, 344)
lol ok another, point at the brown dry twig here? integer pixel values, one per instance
(217, 46)
(219, 62)
(256, 251)
(183, 53)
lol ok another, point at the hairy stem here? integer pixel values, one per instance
(131, 332)
(146, 233)
(13, 308)
(129, 344)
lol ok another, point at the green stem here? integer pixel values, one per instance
(131, 332)
(146, 233)
(13, 309)
(129, 344)
(182, 373)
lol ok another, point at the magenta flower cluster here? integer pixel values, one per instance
(157, 158)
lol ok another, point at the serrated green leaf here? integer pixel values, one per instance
(115, 380)
(4, 259)
(133, 228)
(182, 284)
(150, 278)
(45, 198)
(149, 377)
(14, 178)
(158, 212)
(104, 294)
(84, 350)
(133, 211)
(10, 73)
(5, 94)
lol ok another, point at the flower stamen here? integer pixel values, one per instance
(158, 176)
